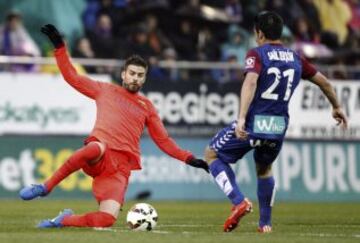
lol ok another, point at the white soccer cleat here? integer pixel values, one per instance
(264, 229)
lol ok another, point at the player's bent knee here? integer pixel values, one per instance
(210, 155)
(102, 219)
(102, 148)
(110, 206)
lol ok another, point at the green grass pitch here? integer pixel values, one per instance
(185, 222)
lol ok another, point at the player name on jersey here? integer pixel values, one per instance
(286, 56)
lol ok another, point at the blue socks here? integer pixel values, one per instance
(265, 195)
(225, 178)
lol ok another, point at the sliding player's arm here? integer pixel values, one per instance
(81, 83)
(310, 73)
(162, 139)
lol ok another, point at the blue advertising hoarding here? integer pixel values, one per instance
(304, 170)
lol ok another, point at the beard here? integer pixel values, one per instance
(133, 88)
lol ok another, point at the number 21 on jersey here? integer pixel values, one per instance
(288, 74)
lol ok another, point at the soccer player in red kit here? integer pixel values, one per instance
(112, 149)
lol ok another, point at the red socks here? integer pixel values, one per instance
(87, 153)
(95, 219)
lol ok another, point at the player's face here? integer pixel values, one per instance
(133, 78)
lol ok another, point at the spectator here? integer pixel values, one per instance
(170, 72)
(170, 56)
(115, 9)
(307, 41)
(234, 10)
(288, 10)
(354, 23)
(237, 45)
(16, 41)
(102, 38)
(311, 14)
(227, 75)
(334, 17)
(83, 50)
(287, 37)
(355, 74)
(208, 45)
(353, 42)
(190, 8)
(157, 39)
(340, 71)
(303, 31)
(155, 73)
(185, 41)
(139, 43)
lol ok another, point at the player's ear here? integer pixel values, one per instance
(261, 35)
(123, 74)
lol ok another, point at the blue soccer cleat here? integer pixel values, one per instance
(55, 222)
(33, 191)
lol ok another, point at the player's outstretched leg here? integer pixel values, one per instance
(67, 218)
(93, 219)
(266, 196)
(225, 178)
(57, 221)
(77, 161)
(105, 217)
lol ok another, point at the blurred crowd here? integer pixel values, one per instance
(325, 31)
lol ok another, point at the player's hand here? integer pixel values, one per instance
(340, 117)
(240, 129)
(198, 163)
(53, 34)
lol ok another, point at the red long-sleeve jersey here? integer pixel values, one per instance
(121, 115)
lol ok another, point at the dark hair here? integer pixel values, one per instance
(13, 15)
(270, 23)
(135, 60)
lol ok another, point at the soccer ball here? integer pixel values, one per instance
(142, 217)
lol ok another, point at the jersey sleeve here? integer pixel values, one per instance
(162, 139)
(308, 70)
(252, 62)
(81, 83)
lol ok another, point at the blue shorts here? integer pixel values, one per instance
(230, 149)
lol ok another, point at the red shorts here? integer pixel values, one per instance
(111, 175)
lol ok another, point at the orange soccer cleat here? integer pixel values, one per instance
(237, 213)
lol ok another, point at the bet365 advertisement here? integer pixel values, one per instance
(326, 171)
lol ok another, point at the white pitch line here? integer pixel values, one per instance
(104, 229)
(320, 235)
(189, 225)
(330, 235)
(119, 229)
(328, 225)
(161, 231)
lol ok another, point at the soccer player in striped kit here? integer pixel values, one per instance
(272, 73)
(112, 150)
